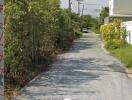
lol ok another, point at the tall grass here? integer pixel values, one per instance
(124, 54)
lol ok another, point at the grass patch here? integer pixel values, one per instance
(124, 54)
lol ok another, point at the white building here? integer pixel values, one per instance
(128, 26)
(122, 8)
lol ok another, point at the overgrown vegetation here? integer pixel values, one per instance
(124, 54)
(113, 35)
(95, 25)
(97, 22)
(41, 21)
(86, 21)
(103, 14)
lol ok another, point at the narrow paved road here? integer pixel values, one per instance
(1, 92)
(83, 73)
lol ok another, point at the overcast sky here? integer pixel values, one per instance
(92, 9)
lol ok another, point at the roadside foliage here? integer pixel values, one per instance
(49, 24)
(113, 34)
(124, 54)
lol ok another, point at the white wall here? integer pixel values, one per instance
(128, 26)
(120, 8)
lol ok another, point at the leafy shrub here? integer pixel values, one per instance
(113, 34)
(114, 43)
(48, 22)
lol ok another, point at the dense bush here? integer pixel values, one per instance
(113, 34)
(86, 21)
(97, 22)
(47, 22)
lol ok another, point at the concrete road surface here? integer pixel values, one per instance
(86, 72)
(1, 92)
(1, 84)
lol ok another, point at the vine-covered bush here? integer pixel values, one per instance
(113, 34)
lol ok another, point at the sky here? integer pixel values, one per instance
(92, 7)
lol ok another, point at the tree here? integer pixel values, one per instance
(86, 21)
(104, 13)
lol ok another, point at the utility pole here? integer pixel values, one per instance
(78, 7)
(82, 9)
(82, 16)
(69, 5)
(69, 25)
(91, 4)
